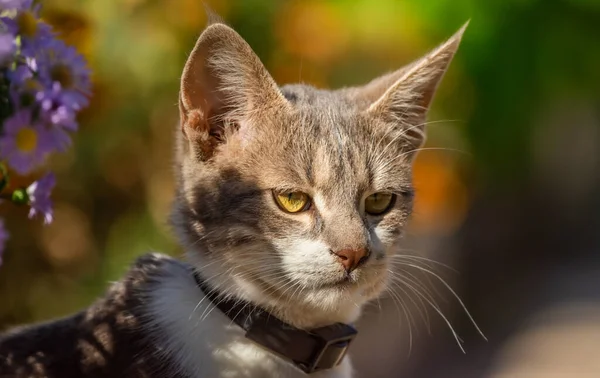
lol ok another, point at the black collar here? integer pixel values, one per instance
(318, 349)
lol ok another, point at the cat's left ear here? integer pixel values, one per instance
(403, 97)
(224, 86)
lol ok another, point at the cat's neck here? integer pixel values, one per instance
(188, 329)
(288, 310)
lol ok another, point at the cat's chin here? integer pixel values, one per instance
(367, 284)
(339, 297)
(355, 290)
(347, 284)
(344, 283)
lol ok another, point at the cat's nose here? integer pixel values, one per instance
(352, 258)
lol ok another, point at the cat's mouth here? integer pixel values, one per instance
(360, 281)
(348, 280)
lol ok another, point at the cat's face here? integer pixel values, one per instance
(298, 193)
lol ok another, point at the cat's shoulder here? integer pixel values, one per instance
(131, 294)
(109, 338)
(152, 267)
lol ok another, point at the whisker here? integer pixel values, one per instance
(425, 317)
(413, 257)
(398, 301)
(455, 296)
(433, 287)
(401, 279)
(399, 286)
(459, 341)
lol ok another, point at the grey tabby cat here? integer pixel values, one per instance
(290, 201)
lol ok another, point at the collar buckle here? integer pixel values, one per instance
(310, 351)
(332, 344)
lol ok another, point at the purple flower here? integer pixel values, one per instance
(39, 197)
(34, 33)
(59, 63)
(59, 114)
(56, 108)
(7, 48)
(23, 72)
(10, 4)
(24, 86)
(3, 238)
(25, 142)
(59, 138)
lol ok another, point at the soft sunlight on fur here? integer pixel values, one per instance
(242, 142)
(338, 147)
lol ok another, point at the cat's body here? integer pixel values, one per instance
(153, 323)
(105, 340)
(292, 200)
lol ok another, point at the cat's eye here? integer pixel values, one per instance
(379, 203)
(292, 202)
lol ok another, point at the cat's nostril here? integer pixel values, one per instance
(342, 257)
(352, 258)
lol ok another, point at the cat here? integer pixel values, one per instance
(290, 203)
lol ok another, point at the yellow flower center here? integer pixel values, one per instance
(32, 85)
(62, 74)
(27, 24)
(27, 139)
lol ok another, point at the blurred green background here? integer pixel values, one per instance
(521, 98)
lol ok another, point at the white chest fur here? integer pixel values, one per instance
(205, 343)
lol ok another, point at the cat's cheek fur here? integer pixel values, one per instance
(204, 342)
(309, 262)
(384, 238)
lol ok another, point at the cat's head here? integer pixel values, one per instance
(295, 194)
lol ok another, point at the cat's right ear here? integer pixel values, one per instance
(224, 87)
(402, 98)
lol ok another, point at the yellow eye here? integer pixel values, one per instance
(379, 203)
(293, 202)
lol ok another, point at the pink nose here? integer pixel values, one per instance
(352, 258)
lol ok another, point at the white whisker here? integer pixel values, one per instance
(455, 296)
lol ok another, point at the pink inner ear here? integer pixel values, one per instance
(193, 124)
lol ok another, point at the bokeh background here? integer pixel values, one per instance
(516, 210)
